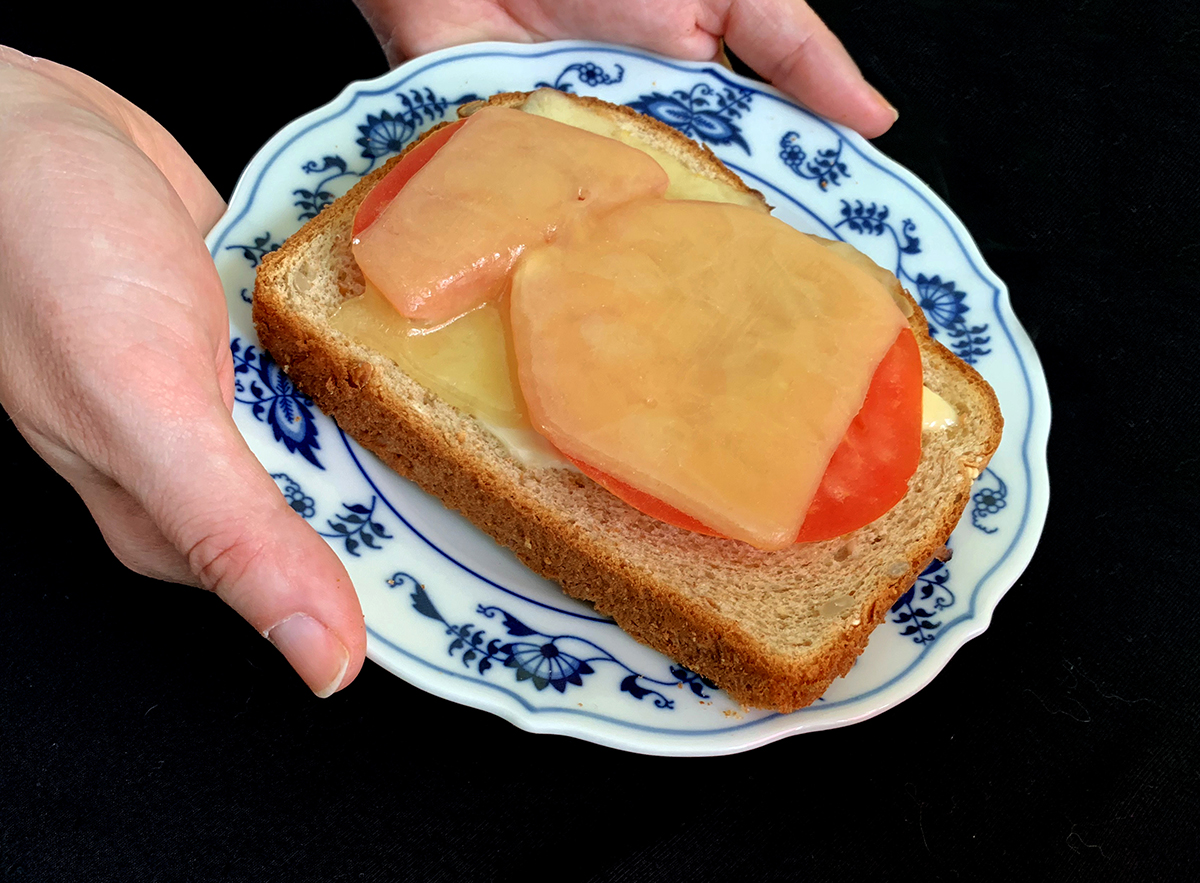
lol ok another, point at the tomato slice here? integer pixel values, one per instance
(393, 182)
(869, 471)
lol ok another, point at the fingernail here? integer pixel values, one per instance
(885, 104)
(313, 651)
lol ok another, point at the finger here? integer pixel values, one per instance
(203, 202)
(130, 533)
(789, 45)
(222, 524)
(214, 503)
(419, 26)
(159, 425)
(722, 57)
(189, 503)
(115, 334)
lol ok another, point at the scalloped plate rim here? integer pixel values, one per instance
(614, 733)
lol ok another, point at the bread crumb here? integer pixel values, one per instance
(360, 376)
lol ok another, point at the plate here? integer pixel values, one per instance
(451, 612)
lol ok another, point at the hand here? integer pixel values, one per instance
(783, 40)
(116, 364)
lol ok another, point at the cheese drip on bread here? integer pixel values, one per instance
(469, 361)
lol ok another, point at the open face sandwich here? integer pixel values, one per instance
(773, 628)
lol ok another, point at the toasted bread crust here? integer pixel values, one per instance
(773, 629)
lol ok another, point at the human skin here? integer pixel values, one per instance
(116, 364)
(784, 41)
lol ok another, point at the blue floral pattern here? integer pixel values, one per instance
(942, 302)
(943, 263)
(358, 527)
(926, 598)
(260, 383)
(255, 252)
(944, 307)
(541, 659)
(694, 682)
(302, 504)
(312, 201)
(826, 166)
(380, 136)
(587, 72)
(988, 499)
(873, 219)
(700, 112)
(388, 133)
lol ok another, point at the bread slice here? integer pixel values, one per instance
(773, 629)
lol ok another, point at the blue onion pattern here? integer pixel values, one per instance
(260, 383)
(942, 302)
(873, 219)
(256, 251)
(312, 201)
(546, 665)
(927, 598)
(587, 72)
(542, 660)
(380, 136)
(988, 499)
(694, 682)
(701, 112)
(945, 308)
(825, 167)
(300, 502)
(357, 527)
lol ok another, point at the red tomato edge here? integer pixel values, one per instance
(393, 182)
(840, 505)
(889, 421)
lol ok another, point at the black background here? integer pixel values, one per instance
(146, 733)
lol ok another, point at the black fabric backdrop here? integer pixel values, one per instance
(146, 733)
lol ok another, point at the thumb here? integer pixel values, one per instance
(786, 42)
(243, 541)
(115, 363)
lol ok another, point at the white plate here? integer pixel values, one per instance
(448, 610)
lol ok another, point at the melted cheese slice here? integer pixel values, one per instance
(468, 362)
(685, 182)
(506, 181)
(630, 337)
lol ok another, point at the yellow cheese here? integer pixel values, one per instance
(936, 412)
(685, 183)
(468, 363)
(506, 181)
(631, 342)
